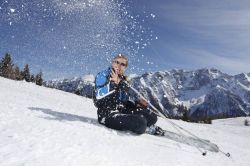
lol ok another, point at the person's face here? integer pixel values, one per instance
(119, 64)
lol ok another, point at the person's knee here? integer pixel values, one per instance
(153, 119)
(141, 125)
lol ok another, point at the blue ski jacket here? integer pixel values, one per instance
(104, 88)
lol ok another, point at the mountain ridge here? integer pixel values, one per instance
(180, 93)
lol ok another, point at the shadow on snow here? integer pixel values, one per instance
(199, 143)
(54, 115)
(64, 116)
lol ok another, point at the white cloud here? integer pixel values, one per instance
(231, 65)
(215, 33)
(226, 27)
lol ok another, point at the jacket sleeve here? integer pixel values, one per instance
(133, 97)
(103, 85)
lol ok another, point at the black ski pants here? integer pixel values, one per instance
(127, 118)
(135, 120)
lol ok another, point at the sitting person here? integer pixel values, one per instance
(118, 107)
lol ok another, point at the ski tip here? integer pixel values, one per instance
(228, 154)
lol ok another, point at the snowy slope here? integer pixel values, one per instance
(46, 127)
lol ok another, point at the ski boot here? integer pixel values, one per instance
(155, 130)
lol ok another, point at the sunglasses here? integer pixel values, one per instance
(120, 63)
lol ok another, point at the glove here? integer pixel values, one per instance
(123, 86)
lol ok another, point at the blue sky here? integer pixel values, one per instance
(67, 38)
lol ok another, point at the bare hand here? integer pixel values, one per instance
(114, 77)
(142, 103)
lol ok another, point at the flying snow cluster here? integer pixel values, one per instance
(83, 30)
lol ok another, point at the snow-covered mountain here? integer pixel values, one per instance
(198, 95)
(79, 85)
(41, 126)
(206, 93)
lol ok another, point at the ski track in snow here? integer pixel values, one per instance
(44, 127)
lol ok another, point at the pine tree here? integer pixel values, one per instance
(6, 66)
(39, 79)
(32, 78)
(185, 111)
(78, 92)
(22, 75)
(26, 73)
(17, 73)
(246, 123)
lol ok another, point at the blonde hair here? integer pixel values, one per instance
(123, 57)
